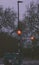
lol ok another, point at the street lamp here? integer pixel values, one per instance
(19, 32)
(32, 38)
(34, 43)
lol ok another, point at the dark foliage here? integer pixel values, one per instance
(31, 53)
(7, 43)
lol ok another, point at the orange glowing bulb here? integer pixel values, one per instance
(19, 32)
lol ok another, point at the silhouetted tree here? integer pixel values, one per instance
(8, 17)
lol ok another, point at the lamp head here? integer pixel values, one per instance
(32, 38)
(19, 32)
(19, 1)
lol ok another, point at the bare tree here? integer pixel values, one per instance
(7, 18)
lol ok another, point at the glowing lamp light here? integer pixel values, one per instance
(19, 32)
(32, 38)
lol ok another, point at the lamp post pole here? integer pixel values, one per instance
(18, 13)
(18, 2)
(19, 34)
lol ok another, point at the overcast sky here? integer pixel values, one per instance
(13, 4)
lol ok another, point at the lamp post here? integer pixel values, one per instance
(19, 32)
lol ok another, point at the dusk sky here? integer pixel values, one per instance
(13, 4)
